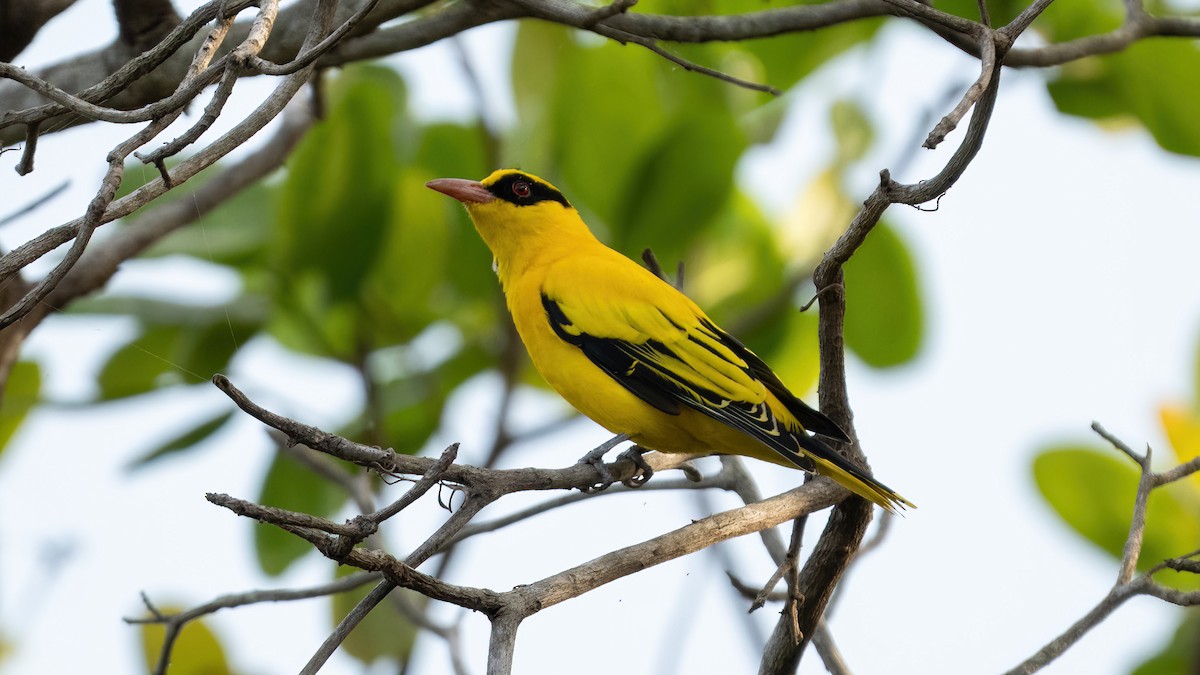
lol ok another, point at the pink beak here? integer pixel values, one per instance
(465, 191)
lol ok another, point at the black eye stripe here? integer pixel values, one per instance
(522, 190)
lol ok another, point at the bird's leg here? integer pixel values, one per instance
(644, 471)
(596, 459)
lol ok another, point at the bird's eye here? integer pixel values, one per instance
(522, 189)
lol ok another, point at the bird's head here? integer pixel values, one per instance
(506, 193)
(515, 212)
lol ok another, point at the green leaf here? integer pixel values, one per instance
(797, 356)
(1181, 654)
(1088, 97)
(1155, 81)
(453, 151)
(1093, 491)
(20, 394)
(884, 313)
(413, 403)
(852, 129)
(169, 354)
(307, 321)
(542, 51)
(207, 350)
(335, 216)
(787, 59)
(409, 288)
(185, 441)
(653, 214)
(602, 87)
(735, 267)
(1000, 11)
(143, 364)
(1145, 69)
(289, 485)
(235, 233)
(1064, 21)
(1182, 428)
(335, 205)
(385, 632)
(196, 651)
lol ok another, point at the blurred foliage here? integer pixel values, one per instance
(1181, 654)
(346, 257)
(20, 396)
(1154, 84)
(292, 486)
(197, 651)
(385, 632)
(1092, 489)
(884, 317)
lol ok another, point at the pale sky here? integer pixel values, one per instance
(1059, 275)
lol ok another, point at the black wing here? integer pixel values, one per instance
(665, 378)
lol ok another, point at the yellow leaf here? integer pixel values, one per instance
(818, 218)
(1182, 427)
(196, 652)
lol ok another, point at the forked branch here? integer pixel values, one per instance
(1128, 585)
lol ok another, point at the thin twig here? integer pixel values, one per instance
(1127, 585)
(984, 17)
(694, 67)
(828, 650)
(176, 622)
(428, 480)
(309, 56)
(346, 625)
(718, 481)
(951, 120)
(211, 43)
(1117, 443)
(25, 166)
(1181, 471)
(135, 68)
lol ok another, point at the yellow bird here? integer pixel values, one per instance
(632, 352)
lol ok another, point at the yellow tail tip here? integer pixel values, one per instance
(865, 486)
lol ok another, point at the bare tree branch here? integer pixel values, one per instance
(1127, 585)
(391, 462)
(154, 87)
(346, 625)
(175, 622)
(101, 209)
(485, 485)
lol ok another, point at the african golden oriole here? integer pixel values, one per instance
(632, 352)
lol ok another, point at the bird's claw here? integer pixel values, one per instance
(596, 459)
(606, 477)
(644, 470)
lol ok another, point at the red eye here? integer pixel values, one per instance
(521, 189)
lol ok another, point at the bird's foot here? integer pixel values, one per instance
(644, 470)
(596, 459)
